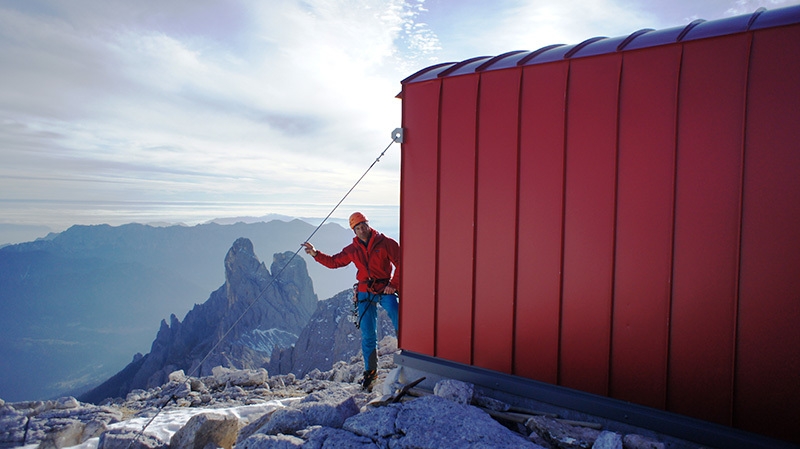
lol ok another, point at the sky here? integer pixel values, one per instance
(184, 111)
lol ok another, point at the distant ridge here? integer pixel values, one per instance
(249, 219)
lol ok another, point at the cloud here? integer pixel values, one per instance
(39, 342)
(197, 98)
(244, 101)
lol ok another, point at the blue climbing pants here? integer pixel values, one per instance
(368, 315)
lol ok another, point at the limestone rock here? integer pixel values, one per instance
(445, 423)
(490, 403)
(52, 424)
(125, 439)
(93, 429)
(608, 440)
(455, 390)
(326, 437)
(286, 421)
(562, 436)
(242, 378)
(433, 421)
(12, 427)
(204, 429)
(67, 434)
(253, 427)
(177, 376)
(379, 423)
(262, 441)
(65, 403)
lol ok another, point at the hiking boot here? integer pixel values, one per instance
(367, 381)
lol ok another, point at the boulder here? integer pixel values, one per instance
(325, 437)
(608, 440)
(12, 427)
(286, 421)
(67, 402)
(560, 435)
(262, 441)
(241, 378)
(253, 427)
(93, 429)
(376, 424)
(490, 403)
(438, 422)
(65, 435)
(433, 421)
(177, 376)
(454, 390)
(128, 439)
(206, 428)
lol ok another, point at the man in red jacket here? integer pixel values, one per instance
(374, 255)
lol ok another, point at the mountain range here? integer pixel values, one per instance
(256, 319)
(79, 304)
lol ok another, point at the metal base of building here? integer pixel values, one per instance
(678, 431)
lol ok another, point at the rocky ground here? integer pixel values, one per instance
(322, 410)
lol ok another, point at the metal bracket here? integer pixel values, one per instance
(397, 135)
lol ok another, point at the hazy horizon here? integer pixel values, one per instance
(184, 111)
(384, 218)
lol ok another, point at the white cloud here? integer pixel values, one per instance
(246, 102)
(152, 106)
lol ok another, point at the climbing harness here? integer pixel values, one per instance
(397, 137)
(370, 301)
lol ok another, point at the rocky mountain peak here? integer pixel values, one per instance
(244, 321)
(242, 268)
(241, 259)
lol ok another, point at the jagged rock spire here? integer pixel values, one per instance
(244, 320)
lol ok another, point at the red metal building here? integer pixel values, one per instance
(621, 217)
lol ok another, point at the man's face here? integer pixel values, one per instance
(362, 231)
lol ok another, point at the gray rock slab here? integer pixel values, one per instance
(286, 421)
(563, 436)
(608, 440)
(263, 441)
(128, 439)
(436, 421)
(375, 424)
(326, 437)
(204, 429)
(455, 390)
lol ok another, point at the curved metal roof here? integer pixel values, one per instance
(698, 29)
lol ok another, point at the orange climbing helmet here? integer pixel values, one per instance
(356, 218)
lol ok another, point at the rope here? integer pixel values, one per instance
(264, 290)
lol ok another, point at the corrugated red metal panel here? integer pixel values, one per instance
(496, 220)
(456, 218)
(642, 242)
(589, 223)
(707, 220)
(645, 198)
(418, 222)
(541, 209)
(767, 372)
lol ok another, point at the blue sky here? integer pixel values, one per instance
(188, 110)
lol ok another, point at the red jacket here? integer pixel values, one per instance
(373, 260)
